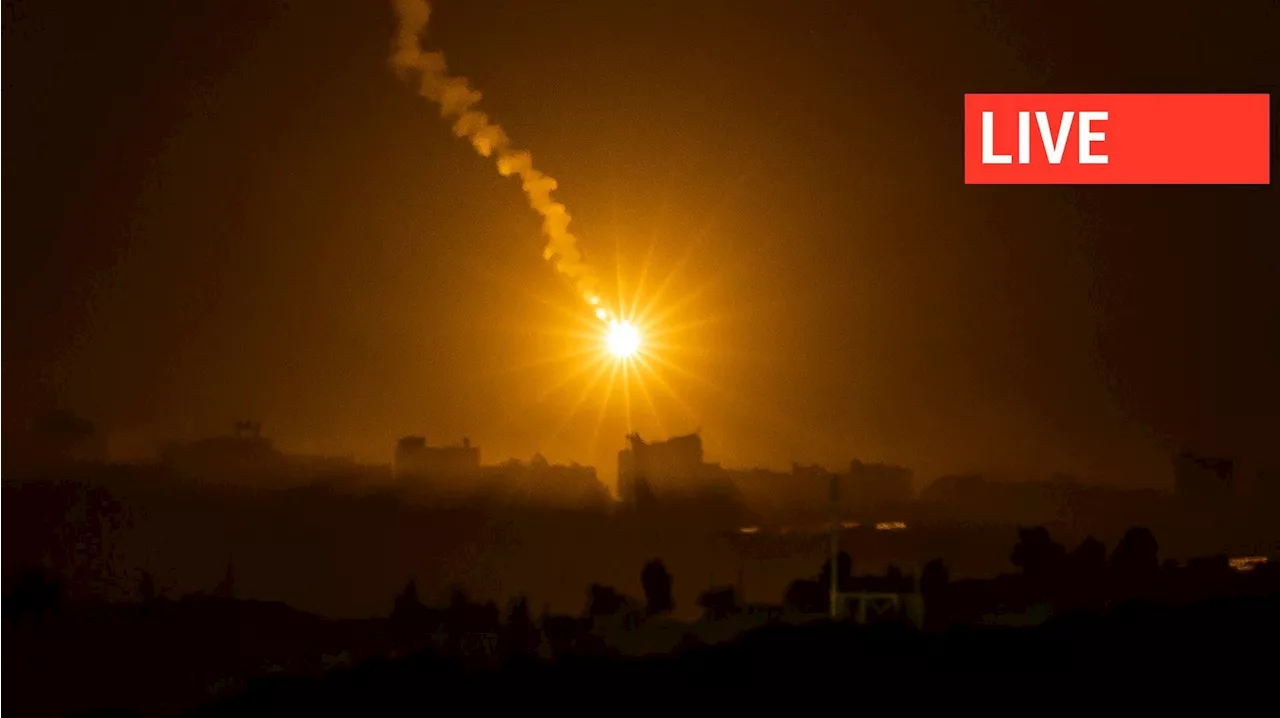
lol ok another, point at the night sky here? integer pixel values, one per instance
(227, 210)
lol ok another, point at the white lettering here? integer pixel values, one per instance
(1087, 137)
(989, 157)
(1024, 138)
(1054, 149)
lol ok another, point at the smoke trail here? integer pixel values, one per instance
(458, 101)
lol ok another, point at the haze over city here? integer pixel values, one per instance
(345, 270)
(361, 354)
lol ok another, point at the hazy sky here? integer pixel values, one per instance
(223, 210)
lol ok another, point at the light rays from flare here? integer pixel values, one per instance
(666, 365)
(661, 350)
(615, 365)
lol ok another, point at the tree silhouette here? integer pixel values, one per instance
(657, 588)
(934, 577)
(407, 605)
(488, 616)
(808, 596)
(522, 635)
(719, 603)
(1036, 553)
(603, 601)
(38, 592)
(1089, 558)
(86, 542)
(935, 580)
(227, 587)
(147, 587)
(1135, 564)
(519, 613)
(1137, 554)
(894, 580)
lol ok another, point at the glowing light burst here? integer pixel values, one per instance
(622, 339)
(625, 360)
(636, 351)
(652, 347)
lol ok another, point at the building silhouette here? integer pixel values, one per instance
(677, 469)
(243, 454)
(416, 459)
(539, 481)
(873, 485)
(802, 492)
(661, 467)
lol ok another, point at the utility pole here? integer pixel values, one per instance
(835, 547)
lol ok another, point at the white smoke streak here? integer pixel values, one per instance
(458, 102)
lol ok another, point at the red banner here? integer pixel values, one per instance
(1117, 139)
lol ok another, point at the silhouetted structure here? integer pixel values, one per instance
(780, 495)
(1061, 499)
(657, 588)
(872, 485)
(676, 469)
(244, 454)
(539, 481)
(408, 608)
(147, 587)
(248, 430)
(1036, 553)
(175, 653)
(416, 459)
(660, 467)
(719, 603)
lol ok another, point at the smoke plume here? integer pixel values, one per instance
(458, 102)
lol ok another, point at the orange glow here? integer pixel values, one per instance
(631, 357)
(622, 339)
(1245, 564)
(890, 526)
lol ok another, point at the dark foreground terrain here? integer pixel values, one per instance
(1225, 642)
(236, 658)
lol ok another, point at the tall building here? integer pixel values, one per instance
(677, 468)
(659, 467)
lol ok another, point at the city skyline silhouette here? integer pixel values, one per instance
(347, 271)
(364, 355)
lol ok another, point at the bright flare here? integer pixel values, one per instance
(622, 339)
